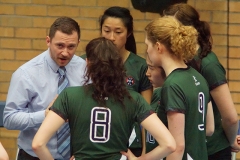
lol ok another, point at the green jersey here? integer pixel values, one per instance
(151, 143)
(99, 132)
(136, 80)
(186, 91)
(214, 73)
(136, 68)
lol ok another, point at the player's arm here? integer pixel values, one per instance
(176, 125)
(210, 120)
(50, 125)
(147, 95)
(164, 138)
(3, 153)
(224, 102)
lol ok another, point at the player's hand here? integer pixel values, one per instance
(236, 145)
(72, 158)
(50, 105)
(129, 155)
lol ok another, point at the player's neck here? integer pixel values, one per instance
(171, 64)
(124, 54)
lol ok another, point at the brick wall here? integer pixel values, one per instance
(24, 25)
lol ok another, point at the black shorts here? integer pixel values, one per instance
(224, 154)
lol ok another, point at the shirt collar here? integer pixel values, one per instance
(51, 62)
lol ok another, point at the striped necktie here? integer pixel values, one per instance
(63, 134)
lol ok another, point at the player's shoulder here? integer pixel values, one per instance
(136, 57)
(135, 61)
(210, 59)
(135, 95)
(73, 91)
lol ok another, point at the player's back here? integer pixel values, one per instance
(186, 91)
(101, 132)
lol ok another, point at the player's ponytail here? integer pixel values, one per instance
(184, 42)
(179, 40)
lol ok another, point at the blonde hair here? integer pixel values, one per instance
(179, 40)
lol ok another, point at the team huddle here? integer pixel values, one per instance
(111, 104)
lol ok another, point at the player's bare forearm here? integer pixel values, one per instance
(230, 131)
(42, 152)
(225, 105)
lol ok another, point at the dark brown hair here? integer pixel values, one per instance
(189, 16)
(105, 70)
(66, 25)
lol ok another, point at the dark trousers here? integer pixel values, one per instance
(22, 155)
(224, 154)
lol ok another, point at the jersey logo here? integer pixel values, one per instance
(130, 81)
(196, 81)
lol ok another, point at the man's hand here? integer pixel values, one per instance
(50, 105)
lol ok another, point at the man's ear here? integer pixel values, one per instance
(48, 41)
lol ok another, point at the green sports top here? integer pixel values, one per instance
(137, 80)
(186, 91)
(136, 68)
(215, 74)
(151, 143)
(99, 132)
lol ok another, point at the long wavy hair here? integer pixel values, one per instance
(106, 71)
